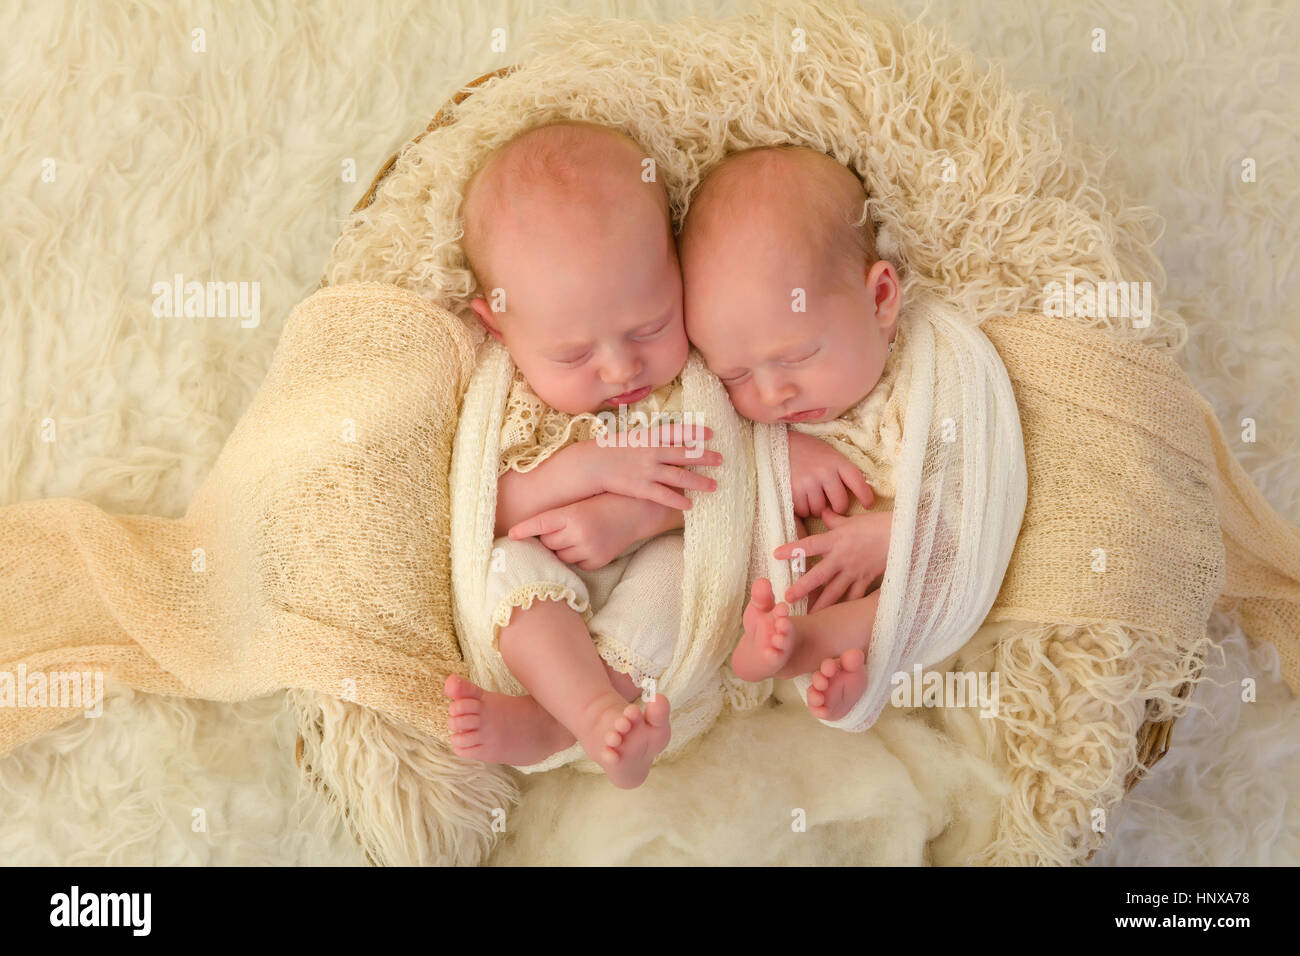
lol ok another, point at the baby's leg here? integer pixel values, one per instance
(838, 685)
(636, 628)
(549, 650)
(511, 728)
(768, 641)
(829, 633)
(777, 644)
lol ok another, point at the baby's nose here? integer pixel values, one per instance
(774, 391)
(620, 367)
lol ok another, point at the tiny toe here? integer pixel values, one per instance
(830, 666)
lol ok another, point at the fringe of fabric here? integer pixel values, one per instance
(405, 797)
(1072, 701)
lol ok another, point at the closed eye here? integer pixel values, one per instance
(801, 359)
(735, 379)
(654, 333)
(573, 360)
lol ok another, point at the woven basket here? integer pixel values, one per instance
(1153, 737)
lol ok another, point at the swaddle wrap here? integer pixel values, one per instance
(960, 491)
(716, 527)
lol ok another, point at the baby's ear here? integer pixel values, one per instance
(886, 292)
(487, 317)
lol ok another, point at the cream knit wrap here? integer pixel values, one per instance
(716, 528)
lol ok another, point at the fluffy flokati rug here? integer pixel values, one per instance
(255, 128)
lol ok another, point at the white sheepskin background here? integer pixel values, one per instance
(232, 164)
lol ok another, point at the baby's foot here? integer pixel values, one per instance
(500, 728)
(625, 742)
(838, 685)
(769, 636)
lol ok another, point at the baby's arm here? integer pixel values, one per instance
(594, 531)
(585, 469)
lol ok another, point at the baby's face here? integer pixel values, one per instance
(591, 323)
(777, 363)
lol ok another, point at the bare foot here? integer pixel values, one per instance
(624, 741)
(769, 635)
(838, 685)
(500, 728)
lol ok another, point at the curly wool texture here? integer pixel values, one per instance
(891, 99)
(1090, 688)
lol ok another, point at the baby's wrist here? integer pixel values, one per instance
(589, 466)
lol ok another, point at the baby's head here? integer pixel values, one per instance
(785, 298)
(575, 251)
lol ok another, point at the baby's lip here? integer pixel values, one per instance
(628, 398)
(805, 416)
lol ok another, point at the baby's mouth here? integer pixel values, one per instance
(630, 398)
(812, 413)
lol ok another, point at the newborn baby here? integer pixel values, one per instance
(576, 253)
(790, 307)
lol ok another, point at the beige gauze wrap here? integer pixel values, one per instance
(314, 555)
(959, 491)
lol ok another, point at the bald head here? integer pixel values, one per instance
(815, 204)
(563, 177)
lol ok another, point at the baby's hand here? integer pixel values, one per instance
(853, 554)
(821, 478)
(654, 474)
(594, 531)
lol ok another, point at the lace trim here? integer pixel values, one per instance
(625, 660)
(524, 596)
(532, 431)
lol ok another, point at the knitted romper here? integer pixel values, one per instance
(633, 604)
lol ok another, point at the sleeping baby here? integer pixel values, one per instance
(577, 255)
(789, 306)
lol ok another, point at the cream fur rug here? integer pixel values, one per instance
(230, 164)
